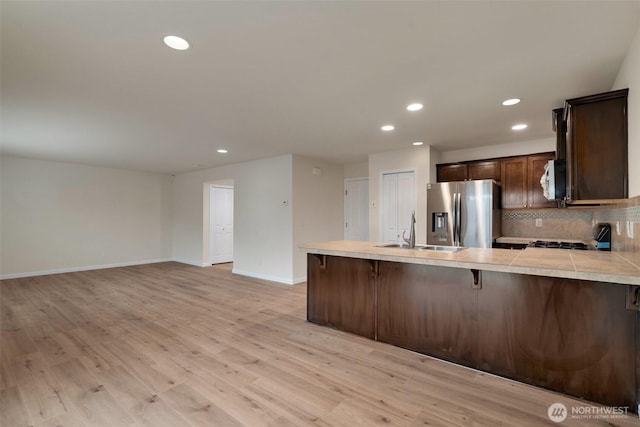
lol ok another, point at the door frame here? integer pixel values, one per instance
(206, 215)
(227, 187)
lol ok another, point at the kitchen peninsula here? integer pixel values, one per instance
(563, 320)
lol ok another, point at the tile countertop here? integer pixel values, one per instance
(597, 266)
(533, 239)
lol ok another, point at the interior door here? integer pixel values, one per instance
(221, 224)
(356, 209)
(398, 201)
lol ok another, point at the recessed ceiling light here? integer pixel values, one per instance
(414, 107)
(222, 151)
(417, 143)
(177, 43)
(519, 126)
(512, 101)
(388, 128)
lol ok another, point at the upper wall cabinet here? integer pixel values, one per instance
(464, 171)
(596, 147)
(452, 172)
(485, 169)
(521, 182)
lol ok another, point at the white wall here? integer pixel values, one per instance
(58, 217)
(262, 222)
(629, 77)
(417, 159)
(318, 207)
(262, 218)
(356, 170)
(278, 205)
(501, 150)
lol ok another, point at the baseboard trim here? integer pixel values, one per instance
(84, 268)
(299, 280)
(262, 276)
(189, 262)
(151, 261)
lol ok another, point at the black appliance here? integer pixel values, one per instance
(603, 237)
(558, 245)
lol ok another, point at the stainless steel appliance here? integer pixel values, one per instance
(553, 181)
(465, 213)
(559, 245)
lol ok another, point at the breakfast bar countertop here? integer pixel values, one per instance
(597, 266)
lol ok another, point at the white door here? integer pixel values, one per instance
(356, 209)
(398, 201)
(221, 224)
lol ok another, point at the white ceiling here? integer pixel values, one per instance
(91, 82)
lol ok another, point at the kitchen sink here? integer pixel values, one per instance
(424, 248)
(396, 245)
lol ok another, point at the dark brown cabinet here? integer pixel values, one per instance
(428, 309)
(597, 147)
(535, 170)
(464, 171)
(485, 169)
(340, 293)
(452, 172)
(523, 327)
(514, 183)
(528, 330)
(521, 182)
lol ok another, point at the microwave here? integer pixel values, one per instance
(554, 180)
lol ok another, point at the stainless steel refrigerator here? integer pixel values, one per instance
(465, 213)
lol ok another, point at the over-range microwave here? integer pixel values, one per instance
(554, 180)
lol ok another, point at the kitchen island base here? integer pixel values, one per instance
(572, 336)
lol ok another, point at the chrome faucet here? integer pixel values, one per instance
(411, 241)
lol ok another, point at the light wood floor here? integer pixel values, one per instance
(174, 345)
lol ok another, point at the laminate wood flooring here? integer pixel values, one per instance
(174, 345)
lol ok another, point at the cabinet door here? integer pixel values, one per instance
(454, 172)
(597, 142)
(340, 293)
(514, 183)
(428, 309)
(535, 170)
(489, 169)
(529, 330)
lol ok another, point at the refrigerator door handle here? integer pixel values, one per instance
(456, 213)
(459, 219)
(455, 218)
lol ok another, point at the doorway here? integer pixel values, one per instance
(356, 209)
(220, 224)
(398, 201)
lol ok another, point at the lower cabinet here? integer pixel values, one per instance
(340, 293)
(566, 335)
(427, 309)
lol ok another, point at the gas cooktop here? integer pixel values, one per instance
(558, 245)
